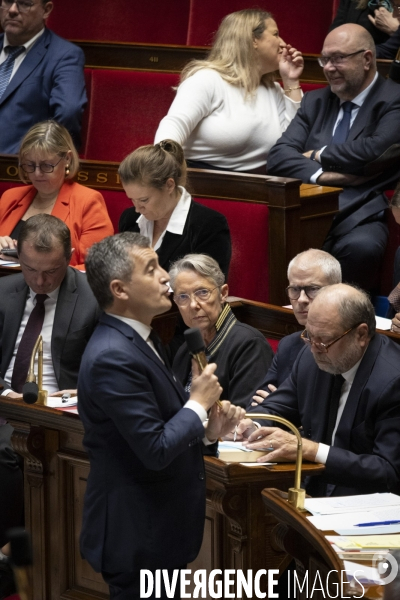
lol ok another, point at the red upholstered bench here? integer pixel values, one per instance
(125, 110)
(302, 24)
(248, 223)
(152, 21)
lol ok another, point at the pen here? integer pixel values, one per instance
(235, 434)
(377, 523)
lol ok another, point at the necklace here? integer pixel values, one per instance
(43, 207)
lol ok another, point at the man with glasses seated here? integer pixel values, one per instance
(307, 273)
(41, 75)
(344, 391)
(347, 135)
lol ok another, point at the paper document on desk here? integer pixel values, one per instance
(8, 263)
(346, 523)
(383, 324)
(363, 573)
(348, 504)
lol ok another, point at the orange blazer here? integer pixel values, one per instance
(80, 207)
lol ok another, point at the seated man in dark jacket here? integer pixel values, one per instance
(307, 273)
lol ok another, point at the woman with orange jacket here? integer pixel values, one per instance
(49, 161)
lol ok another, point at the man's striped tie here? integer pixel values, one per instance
(7, 66)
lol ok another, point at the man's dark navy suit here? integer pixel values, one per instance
(374, 130)
(365, 457)
(283, 361)
(145, 497)
(49, 84)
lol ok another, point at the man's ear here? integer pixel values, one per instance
(117, 288)
(48, 7)
(368, 60)
(363, 334)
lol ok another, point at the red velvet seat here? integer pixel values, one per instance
(125, 110)
(302, 24)
(85, 119)
(116, 203)
(249, 270)
(152, 21)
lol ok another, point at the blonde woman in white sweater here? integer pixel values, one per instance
(228, 111)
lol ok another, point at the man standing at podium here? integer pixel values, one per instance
(145, 497)
(344, 391)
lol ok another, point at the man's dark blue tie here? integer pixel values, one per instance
(343, 127)
(28, 340)
(6, 67)
(335, 394)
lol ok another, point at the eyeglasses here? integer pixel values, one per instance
(199, 295)
(305, 336)
(22, 6)
(336, 59)
(294, 291)
(43, 166)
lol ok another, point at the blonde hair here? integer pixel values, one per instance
(233, 54)
(154, 165)
(49, 137)
(362, 4)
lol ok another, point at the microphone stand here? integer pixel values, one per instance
(32, 391)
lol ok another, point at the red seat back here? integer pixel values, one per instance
(304, 25)
(116, 203)
(249, 270)
(152, 21)
(85, 119)
(125, 110)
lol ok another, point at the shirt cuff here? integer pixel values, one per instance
(322, 454)
(198, 409)
(313, 178)
(5, 392)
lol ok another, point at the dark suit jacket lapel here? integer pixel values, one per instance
(343, 432)
(66, 302)
(30, 62)
(363, 117)
(12, 321)
(143, 347)
(172, 241)
(332, 108)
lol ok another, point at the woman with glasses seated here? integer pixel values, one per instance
(241, 352)
(49, 161)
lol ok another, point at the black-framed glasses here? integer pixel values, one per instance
(305, 336)
(43, 166)
(22, 5)
(294, 291)
(336, 59)
(200, 295)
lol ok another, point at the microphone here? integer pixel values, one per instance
(21, 559)
(30, 392)
(195, 344)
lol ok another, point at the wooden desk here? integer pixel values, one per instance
(309, 547)
(237, 532)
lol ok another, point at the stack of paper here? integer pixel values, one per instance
(363, 547)
(236, 452)
(356, 515)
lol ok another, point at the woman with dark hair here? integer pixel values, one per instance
(154, 177)
(228, 111)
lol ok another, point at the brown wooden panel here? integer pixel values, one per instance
(163, 57)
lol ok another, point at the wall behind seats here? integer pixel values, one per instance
(303, 24)
(148, 21)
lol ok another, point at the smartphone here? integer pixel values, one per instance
(9, 252)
